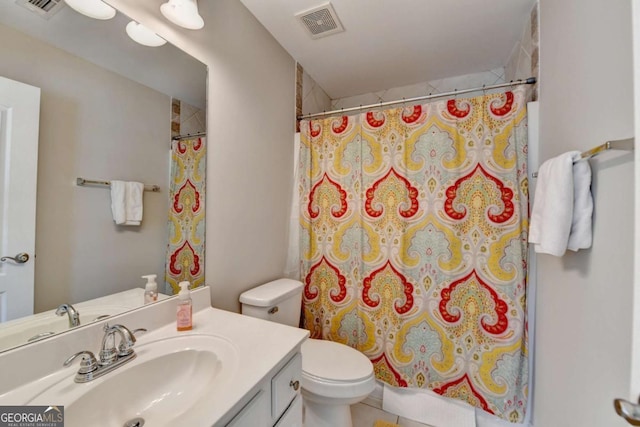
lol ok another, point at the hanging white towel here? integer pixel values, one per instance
(126, 202)
(581, 227)
(118, 194)
(562, 207)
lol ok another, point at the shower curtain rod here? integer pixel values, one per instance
(187, 136)
(529, 81)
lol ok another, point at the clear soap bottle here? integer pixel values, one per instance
(150, 289)
(184, 317)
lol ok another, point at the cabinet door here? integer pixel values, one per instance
(254, 414)
(293, 416)
(285, 385)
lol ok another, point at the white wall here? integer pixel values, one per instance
(97, 125)
(584, 304)
(250, 122)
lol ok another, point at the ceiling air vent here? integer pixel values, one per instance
(43, 8)
(321, 21)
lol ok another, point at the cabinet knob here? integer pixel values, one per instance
(294, 384)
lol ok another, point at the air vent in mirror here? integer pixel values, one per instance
(43, 8)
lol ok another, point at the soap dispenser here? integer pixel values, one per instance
(150, 289)
(184, 318)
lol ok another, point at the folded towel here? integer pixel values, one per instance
(562, 206)
(126, 202)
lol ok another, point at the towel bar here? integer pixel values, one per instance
(620, 144)
(81, 182)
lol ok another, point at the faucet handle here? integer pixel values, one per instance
(128, 340)
(87, 364)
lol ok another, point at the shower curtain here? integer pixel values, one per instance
(185, 250)
(413, 244)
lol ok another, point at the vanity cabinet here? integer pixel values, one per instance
(247, 371)
(278, 400)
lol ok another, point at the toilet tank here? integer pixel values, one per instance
(278, 301)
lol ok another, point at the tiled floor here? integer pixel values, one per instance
(364, 415)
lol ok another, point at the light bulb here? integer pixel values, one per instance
(141, 34)
(183, 13)
(96, 9)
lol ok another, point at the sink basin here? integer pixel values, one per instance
(168, 379)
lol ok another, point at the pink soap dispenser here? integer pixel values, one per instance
(184, 318)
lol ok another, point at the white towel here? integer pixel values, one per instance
(581, 229)
(126, 202)
(562, 207)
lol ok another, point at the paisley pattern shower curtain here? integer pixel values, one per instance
(413, 244)
(185, 252)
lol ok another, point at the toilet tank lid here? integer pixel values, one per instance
(271, 293)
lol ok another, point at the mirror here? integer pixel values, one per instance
(106, 113)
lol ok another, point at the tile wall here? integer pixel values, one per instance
(187, 119)
(523, 60)
(314, 98)
(490, 77)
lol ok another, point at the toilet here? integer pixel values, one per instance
(334, 375)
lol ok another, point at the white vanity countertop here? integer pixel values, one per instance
(259, 345)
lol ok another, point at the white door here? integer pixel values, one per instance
(19, 123)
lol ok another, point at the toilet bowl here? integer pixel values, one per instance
(334, 375)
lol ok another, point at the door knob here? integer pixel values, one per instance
(627, 410)
(20, 258)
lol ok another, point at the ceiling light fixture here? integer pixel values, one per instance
(183, 13)
(95, 9)
(141, 34)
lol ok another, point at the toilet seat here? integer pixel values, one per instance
(335, 370)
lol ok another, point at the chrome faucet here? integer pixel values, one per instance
(110, 356)
(108, 351)
(74, 316)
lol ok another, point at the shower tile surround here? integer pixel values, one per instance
(186, 119)
(523, 60)
(491, 77)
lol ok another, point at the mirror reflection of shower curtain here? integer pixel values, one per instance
(186, 225)
(413, 244)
